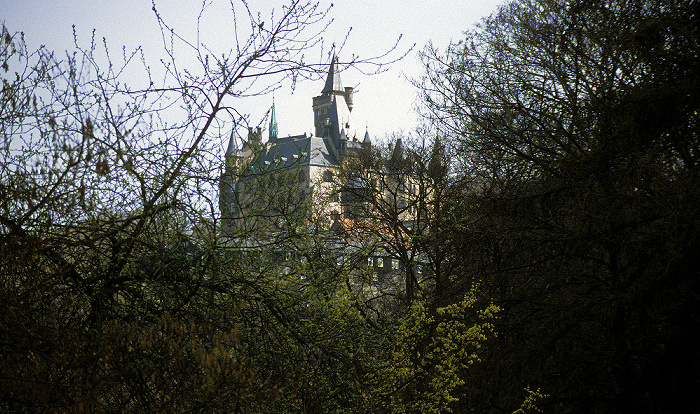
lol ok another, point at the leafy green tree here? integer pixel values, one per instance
(423, 323)
(433, 351)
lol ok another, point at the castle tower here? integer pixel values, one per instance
(332, 108)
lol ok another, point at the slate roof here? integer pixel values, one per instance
(309, 149)
(299, 150)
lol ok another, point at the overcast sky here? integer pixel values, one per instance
(384, 102)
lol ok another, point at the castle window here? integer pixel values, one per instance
(369, 261)
(394, 263)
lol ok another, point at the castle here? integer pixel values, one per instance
(268, 188)
(244, 189)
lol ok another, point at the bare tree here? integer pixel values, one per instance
(400, 199)
(102, 185)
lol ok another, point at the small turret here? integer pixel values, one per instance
(395, 163)
(437, 166)
(366, 142)
(342, 144)
(232, 151)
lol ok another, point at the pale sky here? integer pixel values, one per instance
(384, 103)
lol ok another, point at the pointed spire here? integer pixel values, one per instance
(367, 141)
(233, 152)
(333, 83)
(273, 122)
(398, 148)
(437, 167)
(396, 162)
(232, 149)
(342, 144)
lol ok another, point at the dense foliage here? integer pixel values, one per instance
(575, 128)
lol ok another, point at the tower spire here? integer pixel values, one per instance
(273, 122)
(232, 148)
(333, 83)
(232, 151)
